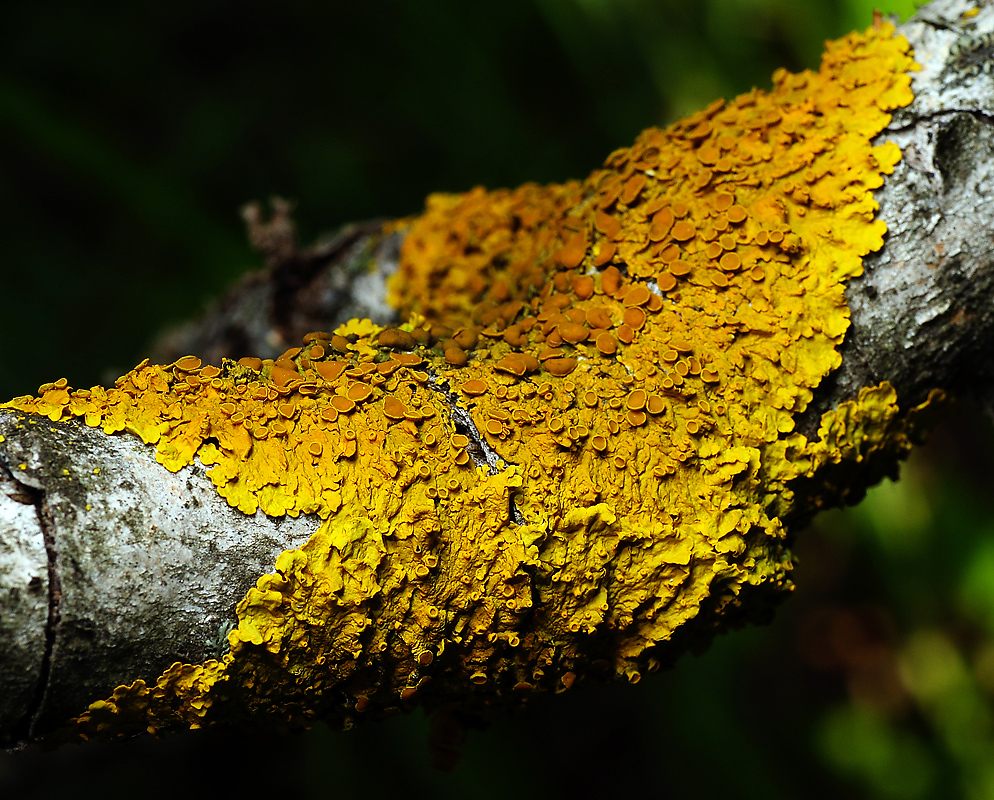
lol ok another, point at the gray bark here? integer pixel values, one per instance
(921, 313)
(112, 568)
(341, 277)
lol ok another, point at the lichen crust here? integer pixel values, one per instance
(578, 455)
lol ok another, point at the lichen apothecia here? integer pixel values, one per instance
(577, 455)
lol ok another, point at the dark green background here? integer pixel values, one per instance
(129, 137)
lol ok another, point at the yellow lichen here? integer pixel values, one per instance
(633, 351)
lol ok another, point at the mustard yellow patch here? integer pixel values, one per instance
(633, 351)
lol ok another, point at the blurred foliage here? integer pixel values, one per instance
(914, 639)
(129, 136)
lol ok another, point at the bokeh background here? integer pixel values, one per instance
(130, 134)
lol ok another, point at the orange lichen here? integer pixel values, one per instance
(631, 352)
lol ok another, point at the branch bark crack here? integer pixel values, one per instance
(47, 524)
(28, 495)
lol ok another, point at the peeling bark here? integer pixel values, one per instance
(111, 568)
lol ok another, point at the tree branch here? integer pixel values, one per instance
(112, 568)
(921, 312)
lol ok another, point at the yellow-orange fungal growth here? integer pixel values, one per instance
(633, 348)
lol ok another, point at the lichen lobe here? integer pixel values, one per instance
(634, 347)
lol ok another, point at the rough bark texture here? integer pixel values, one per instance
(88, 594)
(110, 566)
(921, 312)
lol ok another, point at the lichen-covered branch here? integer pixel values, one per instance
(920, 314)
(576, 453)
